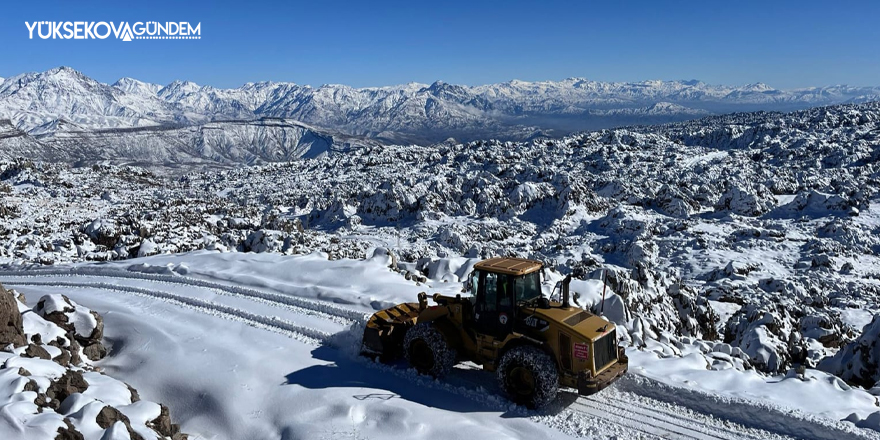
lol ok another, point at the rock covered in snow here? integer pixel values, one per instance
(70, 316)
(765, 335)
(859, 361)
(11, 330)
(749, 201)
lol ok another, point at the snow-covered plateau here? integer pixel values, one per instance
(740, 255)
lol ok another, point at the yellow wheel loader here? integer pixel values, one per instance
(506, 325)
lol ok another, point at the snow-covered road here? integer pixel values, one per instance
(236, 361)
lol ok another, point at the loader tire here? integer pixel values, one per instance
(427, 350)
(529, 377)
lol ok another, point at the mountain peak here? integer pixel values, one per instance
(757, 87)
(178, 88)
(691, 82)
(64, 71)
(131, 85)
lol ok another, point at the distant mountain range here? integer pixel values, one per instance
(62, 114)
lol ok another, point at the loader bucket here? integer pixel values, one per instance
(384, 332)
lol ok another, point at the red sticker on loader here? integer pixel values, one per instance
(582, 351)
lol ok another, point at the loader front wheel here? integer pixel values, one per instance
(427, 350)
(529, 377)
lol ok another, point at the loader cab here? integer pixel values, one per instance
(498, 286)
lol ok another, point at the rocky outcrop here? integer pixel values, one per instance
(110, 415)
(60, 385)
(748, 201)
(11, 331)
(84, 326)
(164, 427)
(68, 432)
(859, 362)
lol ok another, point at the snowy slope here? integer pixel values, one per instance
(214, 143)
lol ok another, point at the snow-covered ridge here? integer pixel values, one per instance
(419, 113)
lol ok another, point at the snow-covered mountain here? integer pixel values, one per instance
(62, 103)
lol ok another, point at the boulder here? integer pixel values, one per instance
(68, 432)
(36, 351)
(63, 359)
(95, 351)
(859, 362)
(164, 427)
(70, 383)
(110, 416)
(83, 326)
(71, 347)
(767, 335)
(11, 330)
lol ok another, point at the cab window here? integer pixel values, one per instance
(505, 290)
(475, 283)
(527, 287)
(490, 298)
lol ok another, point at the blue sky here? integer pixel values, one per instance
(783, 43)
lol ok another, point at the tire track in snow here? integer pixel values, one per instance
(674, 418)
(659, 426)
(296, 331)
(324, 307)
(659, 430)
(753, 414)
(284, 306)
(635, 418)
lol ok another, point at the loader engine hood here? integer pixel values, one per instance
(583, 323)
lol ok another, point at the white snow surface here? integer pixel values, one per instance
(244, 345)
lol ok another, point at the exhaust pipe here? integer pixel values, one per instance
(565, 295)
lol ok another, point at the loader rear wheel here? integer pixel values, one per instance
(427, 350)
(529, 377)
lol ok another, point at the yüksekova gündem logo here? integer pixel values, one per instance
(102, 30)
